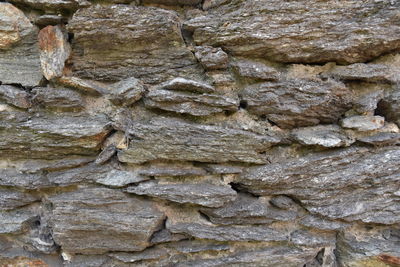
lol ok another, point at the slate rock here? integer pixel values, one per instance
(16, 221)
(165, 235)
(182, 84)
(366, 72)
(49, 19)
(120, 178)
(11, 199)
(211, 58)
(106, 154)
(363, 123)
(58, 98)
(389, 107)
(173, 2)
(106, 219)
(323, 135)
(52, 135)
(19, 51)
(343, 184)
(53, 4)
(228, 233)
(255, 70)
(171, 169)
(83, 85)
(312, 239)
(15, 96)
(300, 31)
(201, 194)
(124, 42)
(298, 102)
(246, 209)
(322, 223)
(190, 103)
(194, 246)
(381, 139)
(147, 254)
(127, 91)
(177, 140)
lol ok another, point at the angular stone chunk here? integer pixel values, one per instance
(58, 98)
(323, 135)
(106, 154)
(248, 210)
(119, 178)
(15, 221)
(300, 31)
(193, 246)
(390, 106)
(211, 58)
(53, 4)
(170, 139)
(321, 223)
(123, 42)
(126, 92)
(173, 2)
(255, 70)
(182, 84)
(15, 96)
(86, 86)
(228, 233)
(298, 102)
(190, 103)
(363, 123)
(19, 51)
(366, 72)
(274, 256)
(51, 136)
(201, 194)
(172, 169)
(148, 254)
(351, 184)
(106, 219)
(165, 235)
(54, 51)
(377, 246)
(11, 199)
(381, 139)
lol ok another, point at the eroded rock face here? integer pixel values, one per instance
(299, 31)
(105, 218)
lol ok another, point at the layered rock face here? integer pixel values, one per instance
(200, 133)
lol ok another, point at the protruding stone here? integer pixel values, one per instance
(323, 135)
(58, 98)
(169, 139)
(15, 96)
(173, 2)
(148, 254)
(106, 154)
(54, 51)
(16, 221)
(363, 123)
(105, 218)
(255, 70)
(53, 4)
(381, 139)
(127, 91)
(49, 19)
(119, 178)
(298, 102)
(211, 58)
(86, 86)
(172, 169)
(207, 195)
(11, 199)
(182, 84)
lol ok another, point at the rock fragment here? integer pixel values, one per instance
(211, 58)
(363, 123)
(58, 98)
(127, 91)
(323, 135)
(255, 70)
(15, 96)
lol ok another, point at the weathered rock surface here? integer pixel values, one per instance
(298, 102)
(86, 86)
(124, 42)
(54, 51)
(19, 52)
(105, 218)
(343, 184)
(301, 31)
(211, 58)
(127, 91)
(58, 98)
(173, 2)
(53, 4)
(16, 221)
(171, 169)
(255, 70)
(201, 194)
(381, 139)
(182, 84)
(176, 140)
(323, 135)
(390, 106)
(15, 96)
(363, 123)
(11, 199)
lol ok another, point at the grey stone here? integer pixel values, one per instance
(54, 51)
(246, 209)
(381, 139)
(119, 178)
(173, 2)
(283, 202)
(255, 70)
(147, 254)
(53, 4)
(19, 51)
(190, 103)
(16, 221)
(201, 194)
(182, 84)
(322, 223)
(367, 102)
(366, 72)
(193, 246)
(312, 239)
(11, 199)
(58, 98)
(342, 184)
(363, 123)
(165, 235)
(127, 91)
(211, 58)
(171, 169)
(52, 135)
(228, 233)
(49, 19)
(177, 140)
(87, 261)
(222, 169)
(300, 31)
(298, 102)
(15, 96)
(106, 219)
(83, 85)
(390, 106)
(208, 4)
(106, 154)
(124, 42)
(323, 135)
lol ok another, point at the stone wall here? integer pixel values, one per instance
(200, 133)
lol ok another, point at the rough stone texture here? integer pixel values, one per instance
(301, 31)
(176, 140)
(199, 133)
(105, 218)
(298, 102)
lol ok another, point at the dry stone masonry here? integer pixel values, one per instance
(200, 133)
